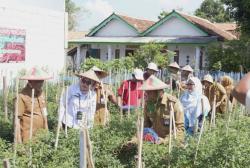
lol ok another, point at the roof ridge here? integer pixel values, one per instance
(134, 17)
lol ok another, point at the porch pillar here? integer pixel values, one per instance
(197, 58)
(78, 56)
(109, 52)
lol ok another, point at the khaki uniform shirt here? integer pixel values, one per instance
(24, 112)
(219, 91)
(157, 116)
(100, 104)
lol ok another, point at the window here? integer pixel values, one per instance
(117, 53)
(95, 53)
(128, 52)
(187, 61)
(176, 57)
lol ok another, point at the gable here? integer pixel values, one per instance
(116, 28)
(176, 26)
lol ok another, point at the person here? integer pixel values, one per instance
(196, 105)
(35, 77)
(157, 110)
(128, 94)
(174, 69)
(187, 72)
(152, 69)
(215, 90)
(242, 91)
(78, 102)
(228, 83)
(104, 93)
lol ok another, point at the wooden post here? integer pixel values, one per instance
(89, 150)
(105, 104)
(5, 98)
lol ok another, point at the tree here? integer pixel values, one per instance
(231, 55)
(240, 10)
(152, 52)
(73, 12)
(214, 11)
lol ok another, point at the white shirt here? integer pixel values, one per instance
(248, 101)
(77, 101)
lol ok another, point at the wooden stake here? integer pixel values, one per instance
(83, 149)
(212, 120)
(105, 104)
(89, 150)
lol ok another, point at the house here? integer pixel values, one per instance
(117, 36)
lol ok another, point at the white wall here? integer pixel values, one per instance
(44, 35)
(116, 28)
(175, 27)
(184, 51)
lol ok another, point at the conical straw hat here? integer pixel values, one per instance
(153, 83)
(208, 78)
(187, 68)
(90, 74)
(174, 65)
(36, 74)
(101, 73)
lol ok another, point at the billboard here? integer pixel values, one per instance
(12, 45)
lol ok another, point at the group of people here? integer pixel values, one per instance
(84, 104)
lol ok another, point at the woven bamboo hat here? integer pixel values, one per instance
(153, 67)
(153, 83)
(90, 74)
(173, 67)
(36, 74)
(187, 68)
(208, 78)
(100, 73)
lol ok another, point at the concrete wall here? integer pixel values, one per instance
(175, 27)
(116, 28)
(44, 35)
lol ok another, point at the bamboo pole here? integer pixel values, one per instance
(201, 131)
(31, 124)
(66, 111)
(89, 151)
(16, 125)
(170, 133)
(129, 97)
(141, 126)
(6, 163)
(105, 104)
(121, 110)
(212, 119)
(5, 98)
(83, 149)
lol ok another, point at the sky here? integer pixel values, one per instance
(98, 10)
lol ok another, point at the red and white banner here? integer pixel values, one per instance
(12, 45)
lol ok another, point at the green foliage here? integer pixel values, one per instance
(113, 65)
(152, 52)
(240, 11)
(231, 54)
(73, 11)
(214, 11)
